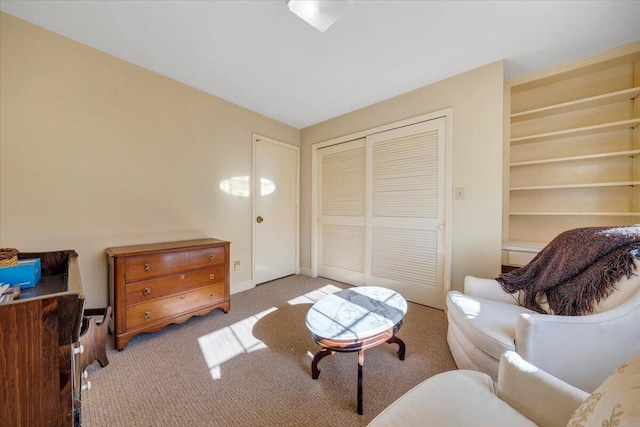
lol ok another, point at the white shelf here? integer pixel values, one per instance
(575, 213)
(565, 107)
(612, 155)
(523, 246)
(562, 186)
(587, 130)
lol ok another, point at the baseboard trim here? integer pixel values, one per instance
(305, 271)
(241, 287)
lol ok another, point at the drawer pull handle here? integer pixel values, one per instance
(182, 276)
(146, 291)
(147, 314)
(147, 267)
(211, 295)
(181, 296)
(212, 276)
(211, 256)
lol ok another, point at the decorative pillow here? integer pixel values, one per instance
(615, 403)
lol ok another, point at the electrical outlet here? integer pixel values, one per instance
(236, 265)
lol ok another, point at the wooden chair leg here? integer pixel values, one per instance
(94, 341)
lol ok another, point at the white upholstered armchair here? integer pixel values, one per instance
(485, 321)
(523, 396)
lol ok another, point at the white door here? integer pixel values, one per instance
(381, 211)
(341, 212)
(405, 211)
(275, 209)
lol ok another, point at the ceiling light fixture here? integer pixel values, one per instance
(319, 13)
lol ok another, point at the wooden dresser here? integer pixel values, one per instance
(151, 286)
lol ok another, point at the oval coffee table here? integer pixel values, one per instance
(356, 319)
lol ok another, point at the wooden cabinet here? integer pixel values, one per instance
(39, 333)
(573, 150)
(151, 286)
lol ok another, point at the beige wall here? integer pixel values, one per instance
(476, 98)
(97, 152)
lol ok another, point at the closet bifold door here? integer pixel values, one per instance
(341, 212)
(405, 211)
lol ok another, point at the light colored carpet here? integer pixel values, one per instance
(252, 367)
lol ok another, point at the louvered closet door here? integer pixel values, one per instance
(341, 212)
(405, 211)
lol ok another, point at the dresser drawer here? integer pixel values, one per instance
(147, 290)
(147, 266)
(161, 309)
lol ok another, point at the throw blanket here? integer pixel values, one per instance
(576, 269)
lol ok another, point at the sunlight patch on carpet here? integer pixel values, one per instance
(315, 295)
(224, 344)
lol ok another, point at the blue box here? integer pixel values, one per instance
(27, 273)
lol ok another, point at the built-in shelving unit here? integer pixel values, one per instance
(572, 144)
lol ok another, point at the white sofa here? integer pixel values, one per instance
(485, 321)
(523, 396)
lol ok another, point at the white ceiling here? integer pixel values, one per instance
(261, 56)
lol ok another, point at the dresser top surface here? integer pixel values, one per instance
(163, 246)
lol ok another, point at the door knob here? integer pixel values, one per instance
(259, 219)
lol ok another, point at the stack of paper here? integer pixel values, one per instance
(7, 292)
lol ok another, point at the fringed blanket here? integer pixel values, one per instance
(576, 269)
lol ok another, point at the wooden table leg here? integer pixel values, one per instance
(360, 364)
(402, 347)
(315, 372)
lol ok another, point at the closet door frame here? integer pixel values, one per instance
(448, 189)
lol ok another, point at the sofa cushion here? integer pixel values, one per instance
(489, 324)
(455, 398)
(616, 402)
